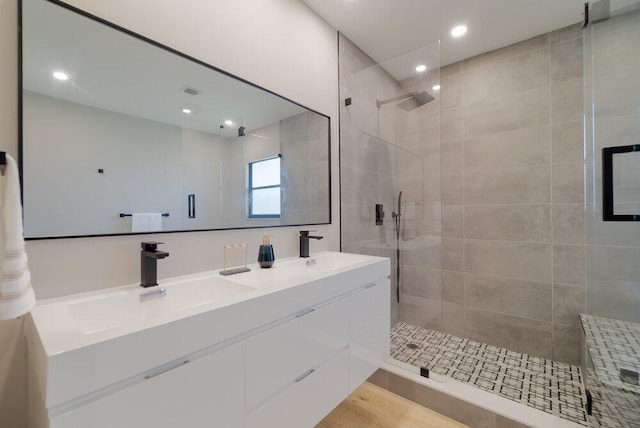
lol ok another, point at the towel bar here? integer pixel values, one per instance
(129, 215)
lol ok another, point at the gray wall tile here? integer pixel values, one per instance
(451, 120)
(452, 255)
(452, 193)
(614, 304)
(521, 110)
(523, 147)
(568, 223)
(566, 60)
(453, 286)
(452, 156)
(519, 48)
(520, 298)
(422, 282)
(614, 268)
(450, 91)
(568, 182)
(566, 33)
(566, 101)
(516, 333)
(508, 186)
(528, 261)
(421, 312)
(567, 142)
(568, 302)
(568, 264)
(508, 222)
(616, 93)
(566, 343)
(453, 318)
(452, 221)
(508, 76)
(451, 70)
(616, 49)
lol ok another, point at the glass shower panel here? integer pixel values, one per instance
(610, 360)
(390, 155)
(612, 100)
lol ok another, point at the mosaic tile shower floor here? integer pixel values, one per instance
(546, 385)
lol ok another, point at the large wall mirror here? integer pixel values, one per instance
(118, 131)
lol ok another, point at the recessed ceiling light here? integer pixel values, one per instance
(421, 68)
(436, 87)
(228, 122)
(186, 110)
(60, 75)
(459, 30)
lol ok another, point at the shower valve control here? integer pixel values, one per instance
(379, 214)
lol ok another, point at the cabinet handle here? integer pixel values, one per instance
(305, 312)
(305, 374)
(369, 285)
(180, 364)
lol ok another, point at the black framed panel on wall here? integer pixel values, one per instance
(621, 183)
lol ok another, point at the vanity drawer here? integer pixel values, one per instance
(306, 402)
(276, 357)
(205, 392)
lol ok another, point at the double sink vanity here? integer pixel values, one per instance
(277, 347)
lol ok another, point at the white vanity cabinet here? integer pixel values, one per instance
(306, 401)
(280, 356)
(181, 394)
(369, 329)
(286, 353)
(297, 371)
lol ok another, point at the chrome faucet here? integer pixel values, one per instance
(149, 257)
(304, 242)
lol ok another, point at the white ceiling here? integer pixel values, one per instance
(385, 29)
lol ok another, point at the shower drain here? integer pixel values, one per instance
(412, 346)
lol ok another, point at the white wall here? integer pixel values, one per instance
(278, 44)
(65, 145)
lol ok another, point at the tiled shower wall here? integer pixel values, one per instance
(513, 194)
(493, 243)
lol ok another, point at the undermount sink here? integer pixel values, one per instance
(326, 262)
(133, 304)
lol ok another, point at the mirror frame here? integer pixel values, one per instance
(181, 55)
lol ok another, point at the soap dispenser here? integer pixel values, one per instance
(265, 253)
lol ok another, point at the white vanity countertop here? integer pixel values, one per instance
(76, 333)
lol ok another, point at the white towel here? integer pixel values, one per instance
(16, 294)
(146, 222)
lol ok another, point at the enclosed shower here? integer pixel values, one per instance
(491, 187)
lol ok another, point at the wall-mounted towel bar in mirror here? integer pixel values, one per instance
(130, 215)
(158, 126)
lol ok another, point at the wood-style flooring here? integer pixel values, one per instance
(370, 406)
